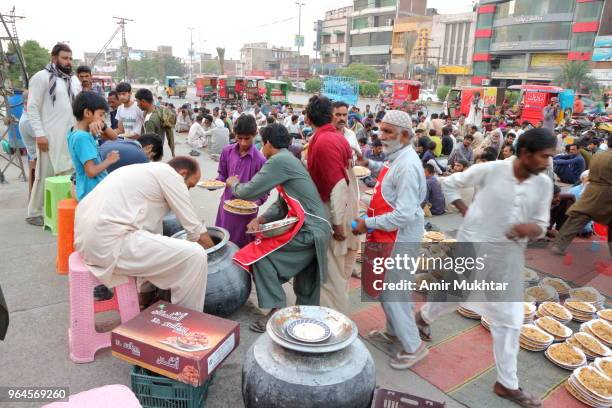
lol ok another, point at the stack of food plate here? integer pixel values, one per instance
(604, 364)
(599, 328)
(559, 285)
(554, 310)
(588, 294)
(533, 338)
(565, 355)
(212, 184)
(311, 329)
(241, 207)
(541, 293)
(530, 276)
(605, 314)
(529, 312)
(590, 345)
(434, 236)
(361, 172)
(486, 323)
(275, 228)
(559, 331)
(590, 386)
(470, 314)
(581, 311)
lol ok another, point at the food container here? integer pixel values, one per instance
(151, 340)
(275, 228)
(228, 286)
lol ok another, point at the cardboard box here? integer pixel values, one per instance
(178, 343)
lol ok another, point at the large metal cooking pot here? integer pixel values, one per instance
(274, 377)
(229, 285)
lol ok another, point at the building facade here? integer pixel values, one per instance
(451, 47)
(259, 59)
(409, 45)
(371, 29)
(601, 60)
(332, 39)
(518, 41)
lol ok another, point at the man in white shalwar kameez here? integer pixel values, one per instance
(51, 93)
(476, 107)
(118, 230)
(512, 206)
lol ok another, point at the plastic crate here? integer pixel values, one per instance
(156, 391)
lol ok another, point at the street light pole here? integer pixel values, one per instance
(190, 53)
(299, 4)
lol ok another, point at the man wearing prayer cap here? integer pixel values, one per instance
(394, 226)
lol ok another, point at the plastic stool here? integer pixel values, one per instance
(56, 189)
(65, 234)
(82, 336)
(104, 397)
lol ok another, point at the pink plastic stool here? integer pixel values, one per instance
(82, 336)
(109, 396)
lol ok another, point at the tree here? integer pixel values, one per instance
(576, 75)
(442, 91)
(157, 67)
(210, 67)
(360, 71)
(369, 89)
(221, 54)
(313, 85)
(35, 57)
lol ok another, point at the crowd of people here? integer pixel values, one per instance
(498, 175)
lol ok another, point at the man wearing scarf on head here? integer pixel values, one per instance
(395, 227)
(51, 93)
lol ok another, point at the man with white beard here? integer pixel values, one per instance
(394, 226)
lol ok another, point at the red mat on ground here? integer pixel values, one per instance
(562, 398)
(458, 360)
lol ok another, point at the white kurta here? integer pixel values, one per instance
(52, 120)
(118, 232)
(475, 115)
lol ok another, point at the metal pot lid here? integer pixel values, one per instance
(343, 330)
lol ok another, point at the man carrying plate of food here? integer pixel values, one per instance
(301, 252)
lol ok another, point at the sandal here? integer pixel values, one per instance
(520, 397)
(258, 326)
(381, 337)
(424, 328)
(403, 361)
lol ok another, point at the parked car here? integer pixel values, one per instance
(428, 95)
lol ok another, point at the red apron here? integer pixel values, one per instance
(262, 246)
(379, 243)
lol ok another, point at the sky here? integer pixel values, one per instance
(87, 26)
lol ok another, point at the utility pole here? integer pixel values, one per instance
(299, 42)
(190, 53)
(124, 47)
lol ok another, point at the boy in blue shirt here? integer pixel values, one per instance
(88, 108)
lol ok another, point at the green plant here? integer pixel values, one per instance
(369, 89)
(35, 57)
(442, 91)
(359, 71)
(576, 75)
(313, 85)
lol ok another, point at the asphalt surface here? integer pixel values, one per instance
(35, 352)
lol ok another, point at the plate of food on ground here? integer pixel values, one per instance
(581, 311)
(212, 184)
(601, 329)
(565, 355)
(533, 338)
(593, 384)
(604, 364)
(530, 276)
(361, 172)
(560, 286)
(605, 314)
(559, 331)
(435, 236)
(591, 346)
(541, 293)
(589, 295)
(238, 206)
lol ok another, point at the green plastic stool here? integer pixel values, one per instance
(56, 189)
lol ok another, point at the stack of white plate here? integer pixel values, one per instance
(559, 285)
(590, 386)
(541, 293)
(533, 338)
(590, 345)
(485, 323)
(565, 356)
(468, 313)
(559, 331)
(530, 276)
(588, 294)
(529, 312)
(601, 329)
(581, 311)
(604, 364)
(556, 311)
